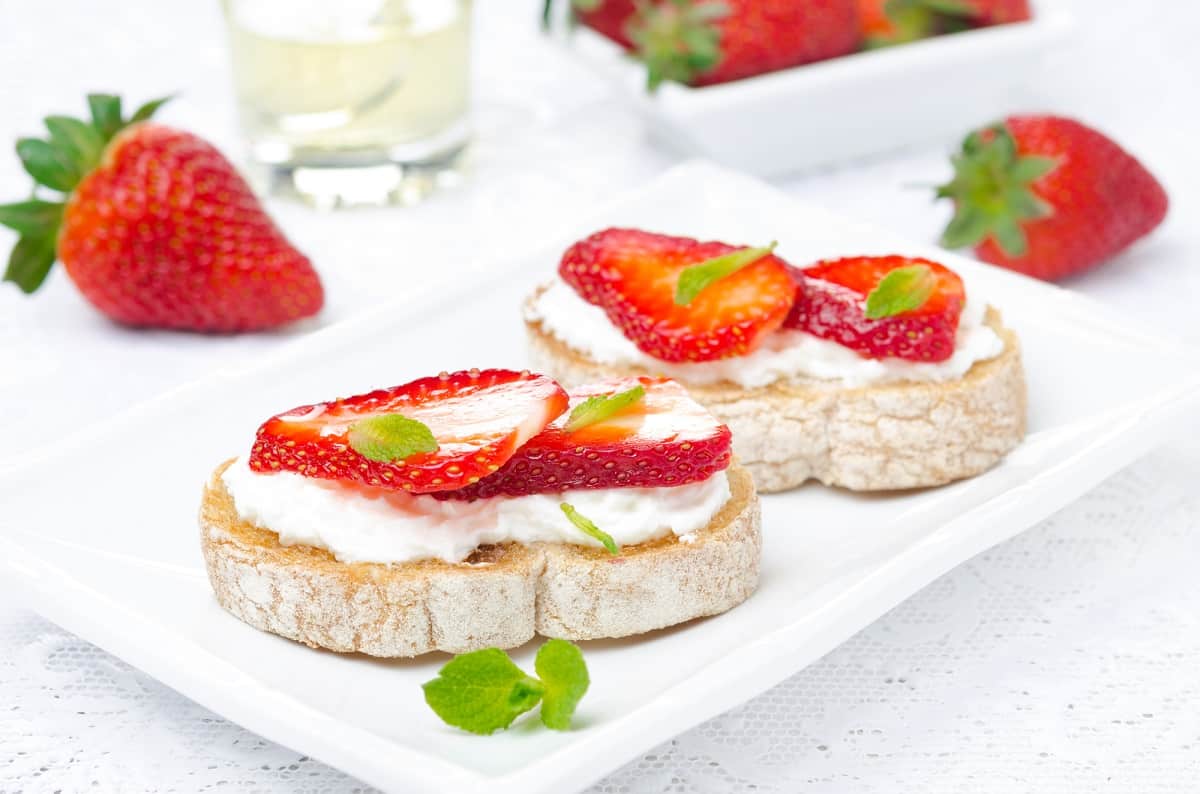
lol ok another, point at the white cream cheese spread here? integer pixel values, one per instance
(785, 355)
(363, 524)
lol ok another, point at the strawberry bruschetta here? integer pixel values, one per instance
(869, 373)
(474, 509)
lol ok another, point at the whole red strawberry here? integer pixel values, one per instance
(1049, 197)
(635, 276)
(881, 306)
(156, 228)
(705, 42)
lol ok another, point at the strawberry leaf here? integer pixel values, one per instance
(585, 525)
(106, 114)
(33, 217)
(149, 109)
(47, 165)
(30, 261)
(78, 141)
(902, 290)
(698, 278)
(390, 437)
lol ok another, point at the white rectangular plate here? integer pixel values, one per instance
(843, 108)
(101, 532)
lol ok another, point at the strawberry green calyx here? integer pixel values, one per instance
(71, 150)
(911, 20)
(993, 192)
(678, 40)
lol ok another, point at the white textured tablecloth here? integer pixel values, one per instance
(1062, 661)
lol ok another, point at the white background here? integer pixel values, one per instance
(1064, 661)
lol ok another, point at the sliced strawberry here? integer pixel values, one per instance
(633, 275)
(478, 419)
(664, 439)
(831, 303)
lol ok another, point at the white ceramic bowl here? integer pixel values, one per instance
(837, 110)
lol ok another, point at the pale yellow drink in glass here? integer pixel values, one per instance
(352, 84)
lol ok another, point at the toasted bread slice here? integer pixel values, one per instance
(865, 438)
(499, 597)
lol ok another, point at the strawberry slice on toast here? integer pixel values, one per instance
(433, 434)
(635, 277)
(663, 439)
(881, 306)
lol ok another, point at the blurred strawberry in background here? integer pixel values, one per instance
(1049, 197)
(887, 22)
(706, 43)
(609, 18)
(155, 227)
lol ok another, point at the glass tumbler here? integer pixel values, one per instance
(352, 101)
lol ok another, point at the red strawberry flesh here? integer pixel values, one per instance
(479, 418)
(831, 304)
(632, 275)
(664, 440)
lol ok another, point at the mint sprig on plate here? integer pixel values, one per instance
(598, 408)
(902, 290)
(700, 277)
(390, 437)
(484, 691)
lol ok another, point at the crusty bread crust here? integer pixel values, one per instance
(500, 597)
(871, 438)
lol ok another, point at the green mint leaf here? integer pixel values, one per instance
(482, 691)
(901, 290)
(149, 109)
(390, 437)
(33, 217)
(564, 676)
(588, 528)
(598, 408)
(47, 165)
(31, 260)
(698, 278)
(106, 114)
